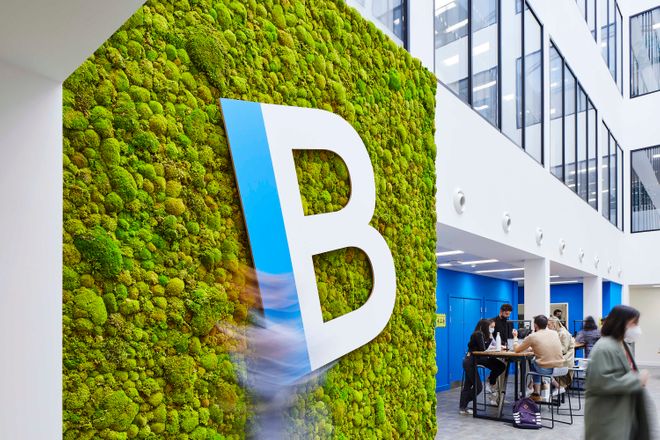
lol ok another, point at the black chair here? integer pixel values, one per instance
(554, 403)
(481, 371)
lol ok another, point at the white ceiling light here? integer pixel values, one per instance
(457, 26)
(445, 265)
(469, 263)
(448, 253)
(565, 282)
(513, 269)
(656, 156)
(478, 50)
(442, 8)
(508, 97)
(450, 61)
(484, 86)
(555, 276)
(481, 107)
(657, 285)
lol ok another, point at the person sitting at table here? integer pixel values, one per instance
(547, 349)
(567, 349)
(589, 335)
(479, 341)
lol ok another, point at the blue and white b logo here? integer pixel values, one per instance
(283, 240)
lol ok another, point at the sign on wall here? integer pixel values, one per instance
(262, 138)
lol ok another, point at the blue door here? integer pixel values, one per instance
(492, 308)
(464, 313)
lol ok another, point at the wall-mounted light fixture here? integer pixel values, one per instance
(459, 201)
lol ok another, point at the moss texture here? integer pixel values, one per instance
(153, 229)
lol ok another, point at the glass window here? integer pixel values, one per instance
(645, 189)
(451, 45)
(390, 14)
(533, 97)
(569, 128)
(612, 180)
(591, 17)
(511, 70)
(582, 182)
(619, 49)
(645, 53)
(484, 59)
(479, 56)
(556, 113)
(611, 38)
(588, 11)
(619, 186)
(592, 154)
(606, 173)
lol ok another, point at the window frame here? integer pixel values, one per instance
(632, 231)
(578, 86)
(630, 60)
(525, 6)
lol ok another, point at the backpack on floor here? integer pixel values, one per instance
(526, 414)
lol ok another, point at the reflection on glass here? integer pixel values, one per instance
(645, 52)
(569, 128)
(645, 189)
(592, 133)
(606, 172)
(612, 179)
(484, 59)
(611, 35)
(451, 45)
(582, 144)
(556, 113)
(511, 27)
(392, 13)
(533, 87)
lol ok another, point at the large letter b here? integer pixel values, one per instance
(262, 138)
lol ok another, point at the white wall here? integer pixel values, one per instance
(31, 255)
(647, 300)
(497, 177)
(41, 43)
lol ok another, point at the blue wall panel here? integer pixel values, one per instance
(564, 293)
(611, 296)
(573, 295)
(458, 285)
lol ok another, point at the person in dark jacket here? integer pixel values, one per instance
(617, 404)
(502, 324)
(479, 341)
(589, 335)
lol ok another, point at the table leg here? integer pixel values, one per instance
(516, 379)
(500, 403)
(523, 374)
(475, 377)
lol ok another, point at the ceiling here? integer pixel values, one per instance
(465, 252)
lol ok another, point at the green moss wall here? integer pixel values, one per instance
(153, 229)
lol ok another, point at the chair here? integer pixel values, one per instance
(556, 372)
(481, 371)
(579, 375)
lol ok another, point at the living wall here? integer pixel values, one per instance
(153, 229)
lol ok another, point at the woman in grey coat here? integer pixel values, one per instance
(617, 406)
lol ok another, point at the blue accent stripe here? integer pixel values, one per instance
(262, 210)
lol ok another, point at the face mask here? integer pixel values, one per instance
(491, 330)
(633, 334)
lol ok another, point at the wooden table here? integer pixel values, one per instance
(519, 379)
